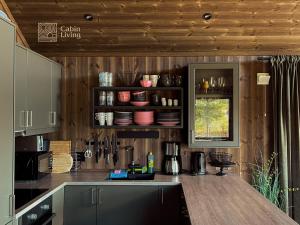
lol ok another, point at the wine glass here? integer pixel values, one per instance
(221, 83)
(213, 83)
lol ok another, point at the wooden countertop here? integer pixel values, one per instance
(229, 200)
(210, 200)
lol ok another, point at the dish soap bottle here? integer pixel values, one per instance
(150, 163)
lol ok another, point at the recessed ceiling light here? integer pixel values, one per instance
(207, 16)
(88, 17)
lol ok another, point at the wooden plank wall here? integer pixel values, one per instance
(81, 74)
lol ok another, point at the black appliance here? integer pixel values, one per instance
(198, 163)
(172, 163)
(32, 165)
(40, 214)
(23, 196)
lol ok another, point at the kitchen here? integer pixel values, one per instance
(118, 112)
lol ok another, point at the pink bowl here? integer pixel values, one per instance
(144, 115)
(169, 124)
(144, 123)
(144, 118)
(146, 83)
(139, 103)
(124, 96)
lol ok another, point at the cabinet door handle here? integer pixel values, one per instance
(11, 205)
(30, 118)
(162, 195)
(100, 196)
(26, 118)
(51, 118)
(93, 196)
(23, 118)
(54, 118)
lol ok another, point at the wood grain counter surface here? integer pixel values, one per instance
(210, 200)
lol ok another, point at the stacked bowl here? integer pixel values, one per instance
(139, 98)
(168, 118)
(144, 118)
(123, 118)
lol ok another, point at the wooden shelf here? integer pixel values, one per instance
(131, 107)
(178, 94)
(138, 127)
(138, 88)
(211, 95)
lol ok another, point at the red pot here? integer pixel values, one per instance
(124, 96)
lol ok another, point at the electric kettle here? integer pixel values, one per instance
(198, 163)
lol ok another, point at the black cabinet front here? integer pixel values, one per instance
(80, 205)
(128, 205)
(122, 205)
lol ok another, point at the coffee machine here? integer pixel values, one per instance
(172, 163)
(198, 163)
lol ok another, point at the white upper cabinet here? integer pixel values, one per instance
(20, 89)
(7, 54)
(38, 92)
(37, 101)
(55, 95)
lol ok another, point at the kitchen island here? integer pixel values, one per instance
(210, 200)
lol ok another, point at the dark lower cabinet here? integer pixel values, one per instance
(122, 205)
(128, 205)
(170, 205)
(80, 205)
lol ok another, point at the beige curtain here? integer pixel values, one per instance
(286, 112)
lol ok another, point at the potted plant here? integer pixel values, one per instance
(265, 179)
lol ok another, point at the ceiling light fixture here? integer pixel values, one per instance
(207, 16)
(88, 17)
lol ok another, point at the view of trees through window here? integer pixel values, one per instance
(212, 118)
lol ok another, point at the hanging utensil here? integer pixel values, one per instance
(115, 149)
(106, 150)
(96, 148)
(88, 153)
(100, 148)
(129, 154)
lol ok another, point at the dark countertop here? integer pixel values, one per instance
(211, 200)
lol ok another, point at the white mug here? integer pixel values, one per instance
(103, 79)
(146, 77)
(101, 118)
(109, 79)
(164, 101)
(154, 79)
(170, 102)
(109, 117)
(175, 102)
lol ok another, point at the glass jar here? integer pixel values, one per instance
(102, 98)
(110, 98)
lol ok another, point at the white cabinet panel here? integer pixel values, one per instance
(55, 94)
(7, 47)
(20, 89)
(38, 91)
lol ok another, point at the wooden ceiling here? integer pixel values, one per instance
(165, 27)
